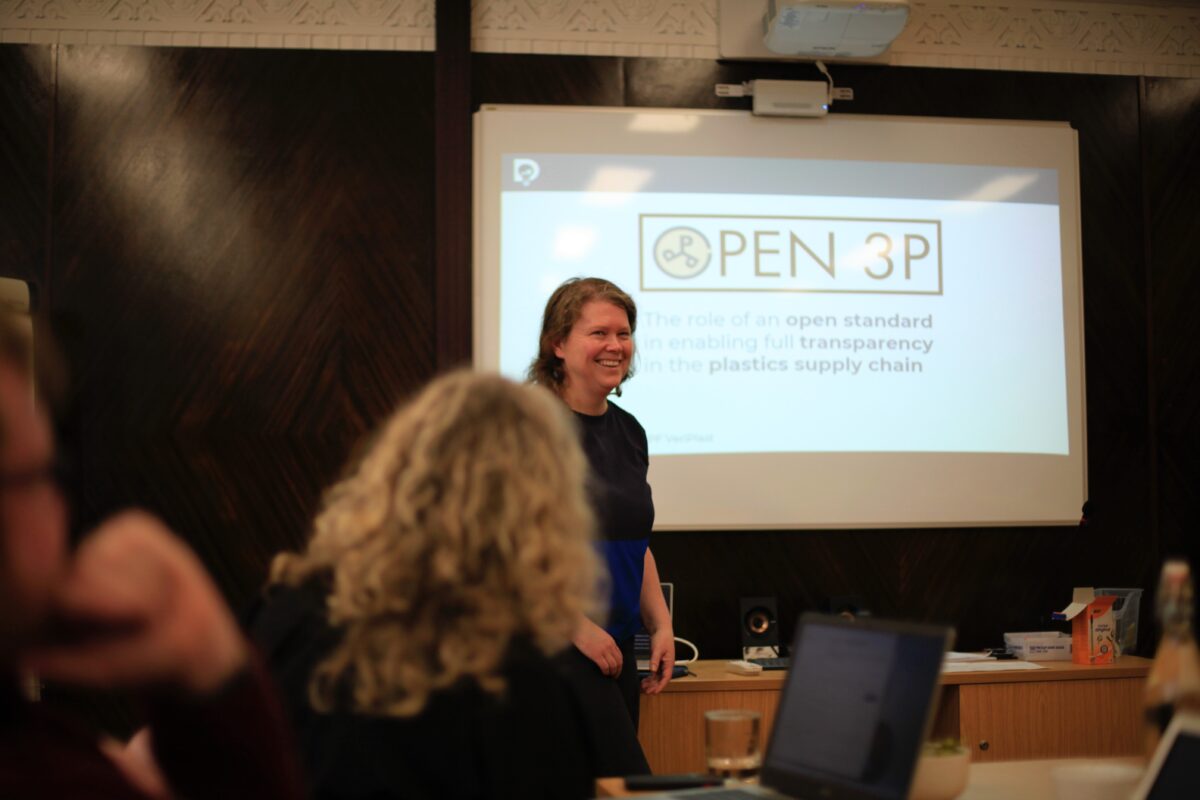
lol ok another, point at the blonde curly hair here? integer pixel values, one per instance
(465, 525)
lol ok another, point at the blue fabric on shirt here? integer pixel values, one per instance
(616, 449)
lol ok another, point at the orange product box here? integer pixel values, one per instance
(1093, 627)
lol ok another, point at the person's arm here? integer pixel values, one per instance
(657, 619)
(137, 611)
(596, 643)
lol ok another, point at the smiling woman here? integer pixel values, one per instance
(596, 355)
(585, 353)
(564, 310)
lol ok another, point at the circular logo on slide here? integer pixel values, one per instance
(682, 252)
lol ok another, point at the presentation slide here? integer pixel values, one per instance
(887, 308)
(845, 322)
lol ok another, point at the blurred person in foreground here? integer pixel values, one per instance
(131, 609)
(414, 636)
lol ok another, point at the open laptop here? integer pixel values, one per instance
(856, 707)
(1172, 773)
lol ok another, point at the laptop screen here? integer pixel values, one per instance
(1178, 778)
(1172, 772)
(855, 708)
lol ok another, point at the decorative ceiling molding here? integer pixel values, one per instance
(650, 28)
(1101, 37)
(305, 24)
(1063, 36)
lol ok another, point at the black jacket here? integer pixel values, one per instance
(531, 742)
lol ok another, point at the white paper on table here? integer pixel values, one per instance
(953, 656)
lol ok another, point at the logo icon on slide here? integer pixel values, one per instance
(682, 252)
(525, 170)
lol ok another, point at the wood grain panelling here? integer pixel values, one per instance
(564, 80)
(452, 225)
(26, 110)
(1073, 719)
(243, 272)
(1171, 131)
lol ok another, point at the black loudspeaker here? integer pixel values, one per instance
(760, 627)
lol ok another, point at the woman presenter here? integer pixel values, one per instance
(585, 353)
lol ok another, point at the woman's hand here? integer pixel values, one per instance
(662, 661)
(657, 619)
(595, 643)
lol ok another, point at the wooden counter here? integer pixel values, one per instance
(1064, 710)
(1002, 780)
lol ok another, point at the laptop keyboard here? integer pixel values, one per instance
(783, 662)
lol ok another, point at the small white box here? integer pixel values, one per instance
(791, 98)
(1039, 645)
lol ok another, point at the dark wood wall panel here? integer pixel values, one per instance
(547, 80)
(242, 276)
(26, 114)
(452, 159)
(1171, 113)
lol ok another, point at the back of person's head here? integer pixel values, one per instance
(563, 309)
(464, 526)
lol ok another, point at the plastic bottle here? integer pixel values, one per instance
(1174, 679)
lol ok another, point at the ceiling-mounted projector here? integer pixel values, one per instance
(833, 28)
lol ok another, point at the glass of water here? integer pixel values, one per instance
(732, 743)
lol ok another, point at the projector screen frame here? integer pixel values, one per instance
(655, 127)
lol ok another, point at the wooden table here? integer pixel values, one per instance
(1027, 780)
(998, 780)
(1064, 710)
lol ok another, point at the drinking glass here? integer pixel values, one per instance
(732, 740)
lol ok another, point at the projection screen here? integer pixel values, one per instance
(842, 322)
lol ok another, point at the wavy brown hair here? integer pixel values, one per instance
(465, 525)
(563, 310)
